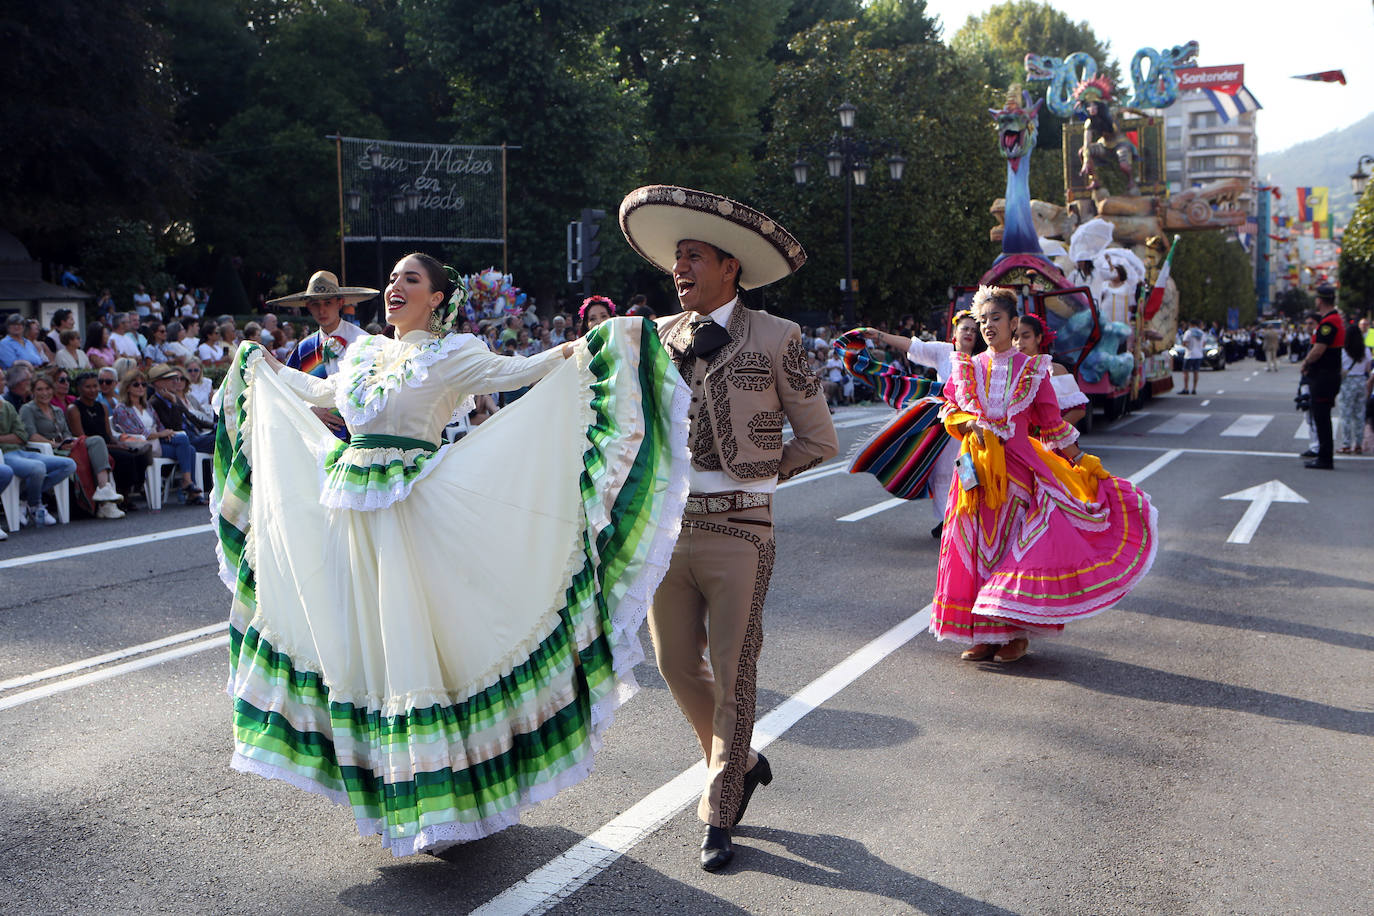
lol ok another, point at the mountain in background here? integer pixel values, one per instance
(1326, 161)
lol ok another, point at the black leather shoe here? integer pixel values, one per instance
(760, 775)
(716, 849)
(1320, 465)
(938, 530)
(1308, 454)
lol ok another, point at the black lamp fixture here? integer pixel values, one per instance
(849, 155)
(1360, 180)
(383, 188)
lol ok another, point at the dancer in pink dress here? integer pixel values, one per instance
(1044, 535)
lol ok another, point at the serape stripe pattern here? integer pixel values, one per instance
(903, 453)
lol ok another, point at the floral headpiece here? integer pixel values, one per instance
(595, 300)
(447, 314)
(1047, 334)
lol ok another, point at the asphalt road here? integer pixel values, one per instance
(1203, 748)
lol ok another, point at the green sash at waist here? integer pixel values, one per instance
(405, 443)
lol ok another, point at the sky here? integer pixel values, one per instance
(1274, 46)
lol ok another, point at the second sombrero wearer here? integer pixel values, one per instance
(319, 353)
(748, 373)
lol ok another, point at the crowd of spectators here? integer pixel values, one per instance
(95, 408)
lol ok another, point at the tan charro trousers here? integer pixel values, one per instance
(707, 627)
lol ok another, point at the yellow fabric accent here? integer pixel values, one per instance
(1081, 479)
(989, 460)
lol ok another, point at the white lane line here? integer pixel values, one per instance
(1302, 432)
(1248, 453)
(1155, 465)
(551, 884)
(838, 467)
(39, 693)
(825, 470)
(97, 660)
(873, 420)
(1248, 425)
(117, 544)
(871, 510)
(1179, 424)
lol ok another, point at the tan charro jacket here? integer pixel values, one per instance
(742, 395)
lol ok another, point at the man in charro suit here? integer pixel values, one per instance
(747, 372)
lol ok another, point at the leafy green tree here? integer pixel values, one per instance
(1356, 267)
(913, 238)
(543, 76)
(705, 76)
(119, 254)
(1214, 274)
(86, 130)
(1294, 302)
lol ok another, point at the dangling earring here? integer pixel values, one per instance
(436, 323)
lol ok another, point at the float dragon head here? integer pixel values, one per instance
(1041, 68)
(1017, 124)
(1090, 92)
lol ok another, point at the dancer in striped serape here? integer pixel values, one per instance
(910, 456)
(319, 353)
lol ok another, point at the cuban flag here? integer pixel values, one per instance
(1229, 106)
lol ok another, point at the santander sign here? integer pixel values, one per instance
(1228, 78)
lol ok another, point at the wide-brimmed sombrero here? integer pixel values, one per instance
(324, 285)
(655, 218)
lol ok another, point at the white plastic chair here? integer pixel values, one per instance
(62, 491)
(158, 489)
(9, 501)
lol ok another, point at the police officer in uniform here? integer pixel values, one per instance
(1322, 369)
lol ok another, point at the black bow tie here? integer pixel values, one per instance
(707, 338)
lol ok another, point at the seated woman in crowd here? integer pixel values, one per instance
(199, 389)
(156, 350)
(37, 473)
(134, 417)
(62, 395)
(33, 333)
(44, 421)
(88, 417)
(175, 349)
(210, 349)
(71, 356)
(98, 346)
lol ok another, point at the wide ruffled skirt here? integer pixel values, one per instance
(1061, 546)
(447, 660)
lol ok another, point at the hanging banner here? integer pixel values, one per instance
(1228, 78)
(459, 187)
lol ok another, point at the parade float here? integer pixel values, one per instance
(1117, 213)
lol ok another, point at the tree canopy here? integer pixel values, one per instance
(196, 129)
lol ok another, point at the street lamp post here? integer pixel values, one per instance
(1360, 179)
(383, 189)
(849, 155)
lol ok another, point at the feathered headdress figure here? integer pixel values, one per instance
(1097, 89)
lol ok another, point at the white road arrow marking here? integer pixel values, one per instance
(1260, 498)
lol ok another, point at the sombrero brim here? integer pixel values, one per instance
(655, 218)
(349, 294)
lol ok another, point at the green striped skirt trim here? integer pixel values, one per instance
(445, 772)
